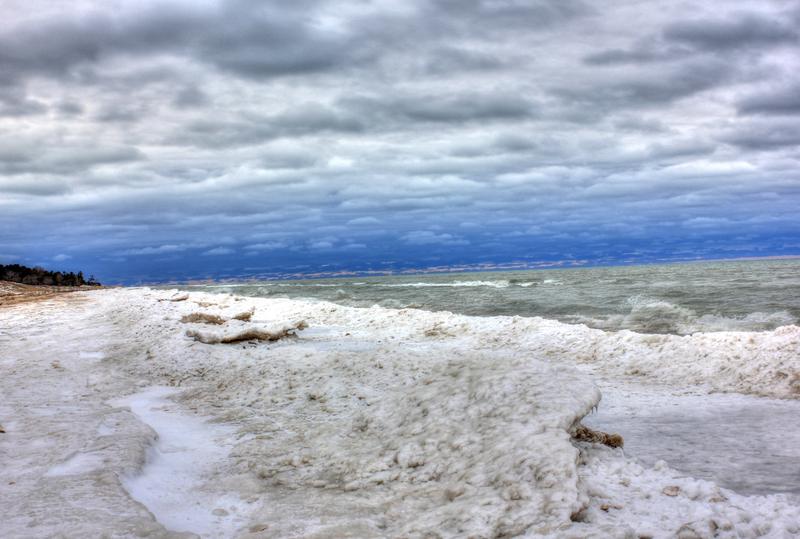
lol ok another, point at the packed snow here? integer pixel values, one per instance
(356, 423)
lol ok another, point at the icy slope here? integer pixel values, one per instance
(381, 422)
(380, 437)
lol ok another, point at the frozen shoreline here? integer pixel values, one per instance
(374, 422)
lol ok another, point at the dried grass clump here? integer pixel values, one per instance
(203, 318)
(585, 434)
(245, 316)
(252, 334)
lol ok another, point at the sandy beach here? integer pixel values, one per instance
(15, 293)
(161, 413)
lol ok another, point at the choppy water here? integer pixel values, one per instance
(675, 298)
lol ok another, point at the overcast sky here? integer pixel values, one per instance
(147, 140)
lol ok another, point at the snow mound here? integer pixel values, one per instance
(661, 503)
(760, 363)
(473, 443)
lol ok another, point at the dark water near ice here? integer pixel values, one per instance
(675, 298)
(742, 442)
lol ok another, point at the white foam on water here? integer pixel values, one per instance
(654, 315)
(456, 284)
(172, 484)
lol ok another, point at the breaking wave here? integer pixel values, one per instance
(456, 284)
(652, 315)
(673, 299)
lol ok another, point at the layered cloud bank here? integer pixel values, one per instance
(236, 136)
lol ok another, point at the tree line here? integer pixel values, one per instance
(40, 276)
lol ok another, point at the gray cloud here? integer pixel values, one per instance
(765, 135)
(461, 107)
(447, 59)
(645, 53)
(250, 129)
(218, 251)
(743, 31)
(428, 237)
(650, 87)
(747, 33)
(27, 158)
(14, 102)
(785, 100)
(69, 108)
(190, 97)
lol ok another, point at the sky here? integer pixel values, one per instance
(144, 141)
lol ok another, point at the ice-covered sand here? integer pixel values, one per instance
(371, 423)
(173, 482)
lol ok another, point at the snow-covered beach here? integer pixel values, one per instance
(120, 420)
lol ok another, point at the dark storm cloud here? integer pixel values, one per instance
(455, 108)
(741, 32)
(177, 134)
(765, 135)
(190, 97)
(249, 129)
(448, 59)
(645, 53)
(52, 45)
(30, 158)
(785, 100)
(493, 15)
(70, 108)
(14, 102)
(288, 158)
(271, 40)
(648, 87)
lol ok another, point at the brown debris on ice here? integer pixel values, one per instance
(249, 334)
(246, 315)
(203, 318)
(2, 430)
(583, 433)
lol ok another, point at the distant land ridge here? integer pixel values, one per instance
(17, 273)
